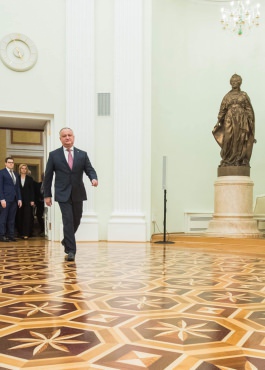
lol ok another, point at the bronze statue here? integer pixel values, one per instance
(235, 129)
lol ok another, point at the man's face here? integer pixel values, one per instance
(67, 138)
(10, 164)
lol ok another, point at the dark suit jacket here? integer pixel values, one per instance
(67, 182)
(38, 192)
(8, 190)
(27, 191)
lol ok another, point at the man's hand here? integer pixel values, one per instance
(48, 201)
(19, 203)
(3, 203)
(94, 182)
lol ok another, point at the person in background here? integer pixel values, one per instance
(68, 163)
(25, 213)
(39, 204)
(10, 199)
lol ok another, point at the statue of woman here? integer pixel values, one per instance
(235, 129)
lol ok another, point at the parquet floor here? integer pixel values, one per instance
(197, 304)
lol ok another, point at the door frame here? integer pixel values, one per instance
(34, 122)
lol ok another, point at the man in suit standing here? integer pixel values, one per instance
(68, 163)
(10, 198)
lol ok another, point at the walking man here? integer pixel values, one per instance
(68, 163)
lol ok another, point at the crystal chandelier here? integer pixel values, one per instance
(240, 17)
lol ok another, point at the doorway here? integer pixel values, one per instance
(32, 123)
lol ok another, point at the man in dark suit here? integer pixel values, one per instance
(10, 198)
(68, 163)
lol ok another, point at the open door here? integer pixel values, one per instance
(13, 120)
(48, 211)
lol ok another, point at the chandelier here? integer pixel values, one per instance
(240, 17)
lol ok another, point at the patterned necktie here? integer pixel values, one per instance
(70, 158)
(13, 176)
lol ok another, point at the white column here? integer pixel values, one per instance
(128, 221)
(80, 95)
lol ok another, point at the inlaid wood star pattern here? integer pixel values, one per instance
(132, 306)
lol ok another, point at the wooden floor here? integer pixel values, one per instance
(197, 304)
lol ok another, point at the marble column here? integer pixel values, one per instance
(80, 95)
(128, 220)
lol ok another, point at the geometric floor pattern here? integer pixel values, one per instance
(131, 307)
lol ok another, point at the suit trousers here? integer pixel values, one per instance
(71, 216)
(7, 219)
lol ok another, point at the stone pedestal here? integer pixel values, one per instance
(233, 208)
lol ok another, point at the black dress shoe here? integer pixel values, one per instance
(12, 239)
(4, 239)
(70, 257)
(65, 248)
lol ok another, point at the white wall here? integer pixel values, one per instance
(123, 139)
(40, 89)
(193, 60)
(43, 88)
(104, 54)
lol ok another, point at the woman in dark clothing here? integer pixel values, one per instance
(25, 213)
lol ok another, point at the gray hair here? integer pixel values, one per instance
(65, 128)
